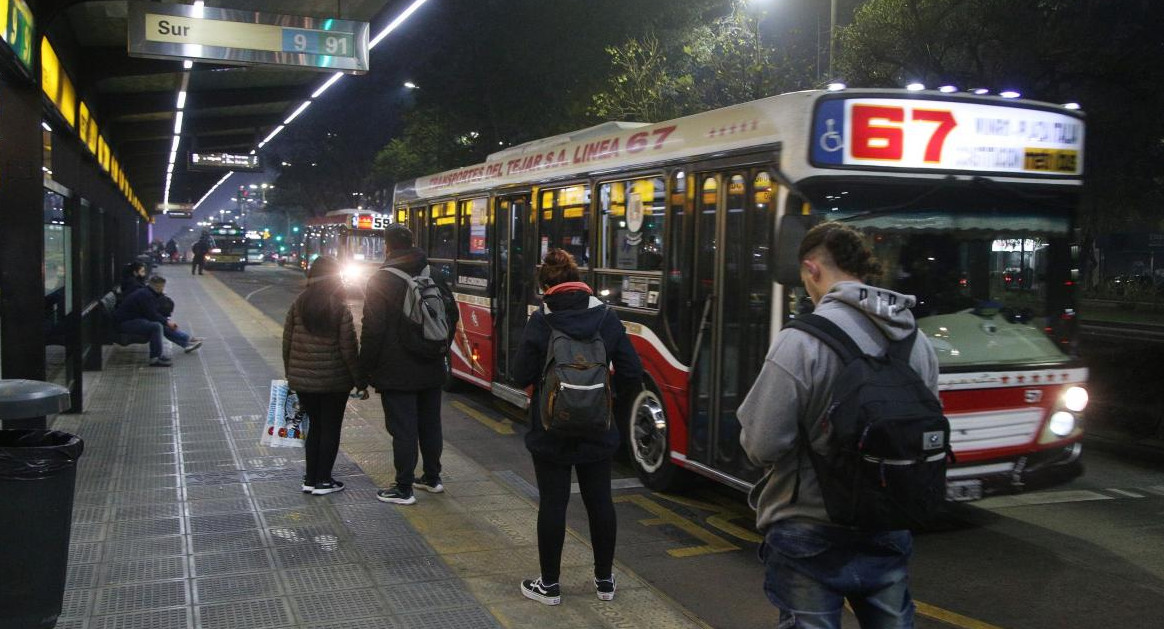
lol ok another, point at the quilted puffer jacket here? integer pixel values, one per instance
(321, 364)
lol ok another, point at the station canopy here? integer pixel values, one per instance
(228, 108)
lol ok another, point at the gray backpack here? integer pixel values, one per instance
(575, 394)
(425, 332)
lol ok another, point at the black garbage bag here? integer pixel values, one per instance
(38, 471)
(37, 454)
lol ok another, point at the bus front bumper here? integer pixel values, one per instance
(1030, 471)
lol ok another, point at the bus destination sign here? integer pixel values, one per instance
(889, 133)
(225, 161)
(169, 31)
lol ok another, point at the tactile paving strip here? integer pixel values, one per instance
(236, 588)
(257, 614)
(151, 569)
(178, 618)
(338, 605)
(231, 563)
(324, 578)
(140, 596)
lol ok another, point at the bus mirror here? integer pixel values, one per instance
(793, 227)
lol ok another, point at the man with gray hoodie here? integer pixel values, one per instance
(811, 564)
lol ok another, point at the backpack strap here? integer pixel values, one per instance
(829, 333)
(901, 350)
(399, 273)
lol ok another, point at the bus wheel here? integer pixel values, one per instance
(648, 441)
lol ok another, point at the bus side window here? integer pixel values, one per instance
(796, 298)
(676, 254)
(473, 246)
(632, 215)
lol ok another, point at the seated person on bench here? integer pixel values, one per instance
(139, 314)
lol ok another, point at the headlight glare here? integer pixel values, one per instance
(1075, 399)
(1062, 423)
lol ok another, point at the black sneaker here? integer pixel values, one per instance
(605, 588)
(544, 594)
(396, 495)
(432, 486)
(307, 487)
(327, 487)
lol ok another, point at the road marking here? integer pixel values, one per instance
(950, 618)
(1124, 492)
(1040, 498)
(502, 427)
(257, 290)
(616, 483)
(721, 517)
(711, 543)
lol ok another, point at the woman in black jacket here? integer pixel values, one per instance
(570, 307)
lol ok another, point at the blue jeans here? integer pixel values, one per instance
(155, 331)
(810, 569)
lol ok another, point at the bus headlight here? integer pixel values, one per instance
(1074, 399)
(350, 273)
(1062, 423)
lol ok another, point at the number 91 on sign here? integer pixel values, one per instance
(312, 42)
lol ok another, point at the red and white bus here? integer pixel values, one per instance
(680, 226)
(355, 237)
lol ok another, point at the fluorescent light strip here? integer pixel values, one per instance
(174, 145)
(392, 26)
(187, 64)
(323, 88)
(170, 169)
(274, 133)
(178, 123)
(44, 125)
(182, 99)
(295, 115)
(212, 189)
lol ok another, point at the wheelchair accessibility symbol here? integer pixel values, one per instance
(830, 141)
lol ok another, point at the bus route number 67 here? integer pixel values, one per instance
(878, 131)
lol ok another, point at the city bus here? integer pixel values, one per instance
(689, 228)
(228, 247)
(353, 236)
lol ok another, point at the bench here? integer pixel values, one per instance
(114, 336)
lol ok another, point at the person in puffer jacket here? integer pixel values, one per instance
(570, 307)
(320, 354)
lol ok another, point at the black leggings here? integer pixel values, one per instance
(554, 489)
(326, 411)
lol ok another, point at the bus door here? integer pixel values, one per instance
(514, 278)
(733, 298)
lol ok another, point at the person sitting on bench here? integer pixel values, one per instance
(139, 314)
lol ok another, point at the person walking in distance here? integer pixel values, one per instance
(408, 380)
(787, 422)
(571, 309)
(320, 359)
(200, 249)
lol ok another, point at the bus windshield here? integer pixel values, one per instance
(991, 274)
(366, 246)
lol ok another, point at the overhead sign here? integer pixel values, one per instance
(225, 161)
(16, 27)
(227, 36)
(179, 214)
(171, 207)
(888, 133)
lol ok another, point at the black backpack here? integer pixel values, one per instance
(888, 441)
(575, 394)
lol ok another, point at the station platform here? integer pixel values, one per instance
(182, 520)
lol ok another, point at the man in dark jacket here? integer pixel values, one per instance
(409, 385)
(138, 314)
(200, 249)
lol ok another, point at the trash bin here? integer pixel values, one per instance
(38, 469)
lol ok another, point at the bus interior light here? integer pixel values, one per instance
(1071, 106)
(915, 87)
(1009, 94)
(947, 89)
(1075, 399)
(981, 91)
(1062, 424)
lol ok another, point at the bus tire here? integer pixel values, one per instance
(647, 437)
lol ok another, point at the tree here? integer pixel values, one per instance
(318, 174)
(1105, 54)
(710, 64)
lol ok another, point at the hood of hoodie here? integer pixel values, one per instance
(889, 311)
(576, 313)
(411, 260)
